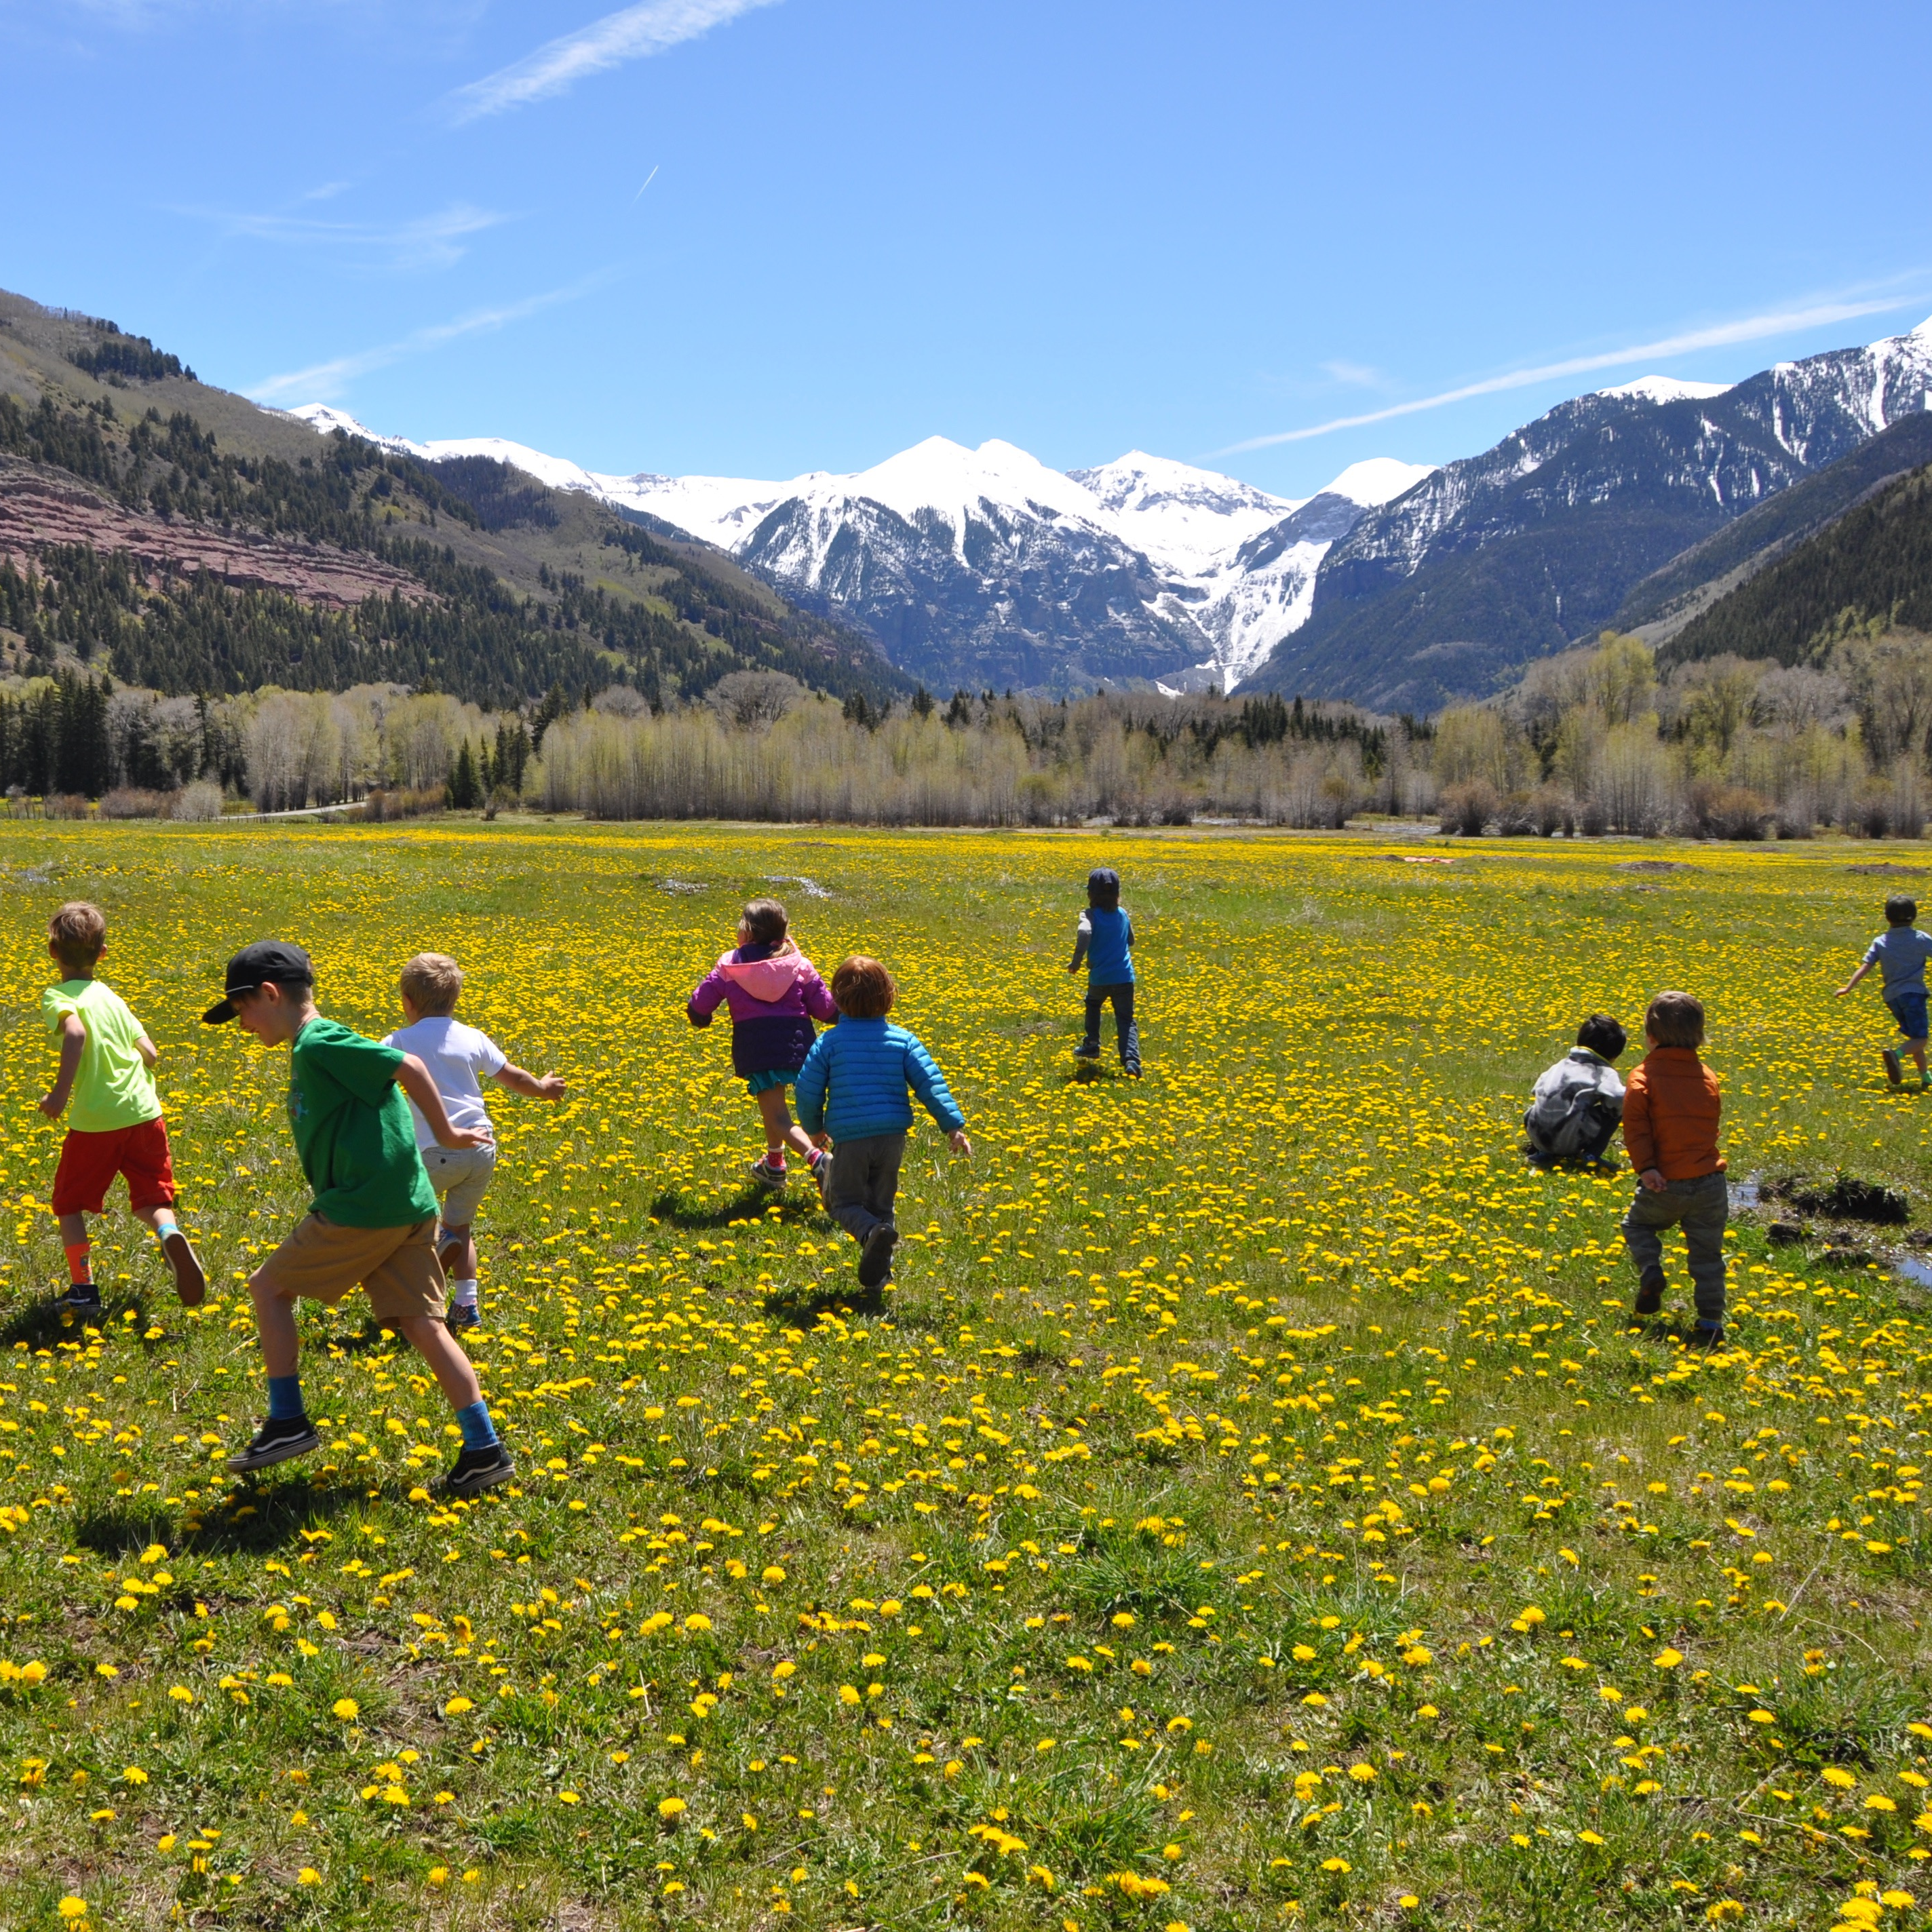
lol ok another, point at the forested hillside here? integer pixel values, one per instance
(138, 539)
(1871, 572)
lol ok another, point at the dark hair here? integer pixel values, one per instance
(1900, 910)
(1602, 1035)
(862, 988)
(1676, 1019)
(767, 919)
(1103, 888)
(78, 934)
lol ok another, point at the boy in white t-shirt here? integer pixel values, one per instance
(459, 1059)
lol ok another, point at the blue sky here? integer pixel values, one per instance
(1081, 226)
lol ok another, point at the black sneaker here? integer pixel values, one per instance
(462, 1314)
(276, 1442)
(1087, 1050)
(190, 1284)
(875, 1258)
(81, 1298)
(1649, 1296)
(476, 1470)
(1702, 1337)
(1895, 1067)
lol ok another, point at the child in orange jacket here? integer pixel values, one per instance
(1672, 1108)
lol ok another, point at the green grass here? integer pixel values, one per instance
(1243, 1505)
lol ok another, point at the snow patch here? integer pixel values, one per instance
(1667, 389)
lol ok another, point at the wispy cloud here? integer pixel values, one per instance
(1355, 375)
(323, 382)
(633, 33)
(428, 241)
(1750, 328)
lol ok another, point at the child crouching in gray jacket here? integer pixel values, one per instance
(854, 1086)
(1580, 1101)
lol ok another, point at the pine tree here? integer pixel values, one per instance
(461, 791)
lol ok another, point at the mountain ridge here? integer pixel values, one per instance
(1518, 551)
(984, 566)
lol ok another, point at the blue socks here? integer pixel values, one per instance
(479, 1431)
(285, 1398)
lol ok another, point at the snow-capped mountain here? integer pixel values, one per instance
(1499, 558)
(984, 567)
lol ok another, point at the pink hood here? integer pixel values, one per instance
(766, 980)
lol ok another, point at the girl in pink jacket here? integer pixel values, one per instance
(774, 994)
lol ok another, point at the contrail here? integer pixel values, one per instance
(640, 195)
(1751, 329)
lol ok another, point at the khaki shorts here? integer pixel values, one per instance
(322, 1260)
(460, 1176)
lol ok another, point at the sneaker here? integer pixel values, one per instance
(768, 1176)
(821, 1173)
(1649, 1296)
(476, 1470)
(1702, 1337)
(276, 1442)
(1895, 1068)
(1087, 1049)
(875, 1258)
(190, 1284)
(462, 1314)
(79, 1298)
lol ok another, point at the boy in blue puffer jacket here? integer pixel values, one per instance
(854, 1085)
(1105, 940)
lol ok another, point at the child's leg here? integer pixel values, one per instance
(781, 1130)
(1089, 1047)
(1916, 1048)
(880, 1191)
(1127, 1033)
(1647, 1215)
(1706, 1209)
(455, 1373)
(88, 1163)
(73, 1239)
(275, 1324)
(149, 1167)
(850, 1189)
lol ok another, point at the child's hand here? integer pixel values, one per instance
(823, 1141)
(551, 1087)
(463, 1137)
(959, 1142)
(1841, 992)
(52, 1105)
(1653, 1178)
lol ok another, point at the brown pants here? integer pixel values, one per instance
(322, 1260)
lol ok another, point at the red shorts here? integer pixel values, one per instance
(88, 1163)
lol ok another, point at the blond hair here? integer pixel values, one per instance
(432, 982)
(78, 934)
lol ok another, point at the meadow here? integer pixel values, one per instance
(1250, 1506)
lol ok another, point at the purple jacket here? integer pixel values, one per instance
(774, 994)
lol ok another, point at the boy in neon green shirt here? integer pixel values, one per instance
(115, 1125)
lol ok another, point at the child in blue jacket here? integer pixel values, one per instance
(853, 1086)
(1105, 940)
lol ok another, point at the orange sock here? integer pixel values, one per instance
(78, 1270)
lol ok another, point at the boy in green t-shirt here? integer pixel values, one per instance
(373, 1219)
(116, 1126)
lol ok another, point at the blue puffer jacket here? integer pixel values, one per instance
(855, 1079)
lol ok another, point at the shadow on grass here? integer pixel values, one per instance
(268, 1519)
(801, 1309)
(753, 1204)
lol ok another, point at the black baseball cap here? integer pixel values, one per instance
(268, 961)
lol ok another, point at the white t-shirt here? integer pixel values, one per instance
(459, 1059)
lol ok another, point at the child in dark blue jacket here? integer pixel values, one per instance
(1105, 940)
(853, 1086)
